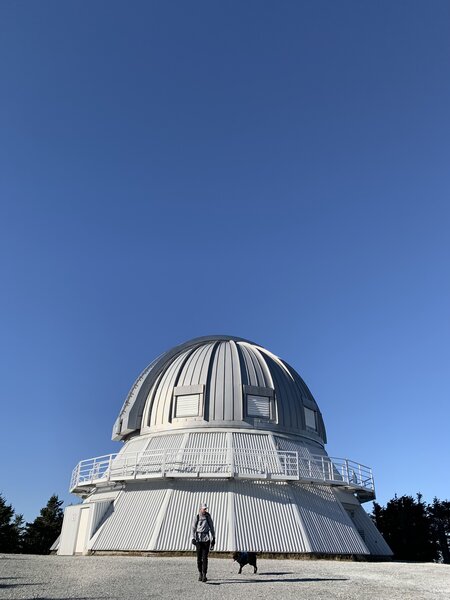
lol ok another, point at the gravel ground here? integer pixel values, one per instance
(136, 578)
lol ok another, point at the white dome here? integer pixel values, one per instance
(220, 381)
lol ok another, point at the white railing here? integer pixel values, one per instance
(222, 462)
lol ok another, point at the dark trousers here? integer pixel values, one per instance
(202, 556)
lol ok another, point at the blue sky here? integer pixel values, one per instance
(277, 171)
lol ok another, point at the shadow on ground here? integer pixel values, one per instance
(287, 580)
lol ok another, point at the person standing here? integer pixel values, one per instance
(204, 538)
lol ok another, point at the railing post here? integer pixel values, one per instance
(110, 466)
(346, 468)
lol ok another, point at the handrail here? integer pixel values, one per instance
(283, 465)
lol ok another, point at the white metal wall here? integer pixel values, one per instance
(265, 519)
(184, 503)
(132, 522)
(262, 516)
(329, 528)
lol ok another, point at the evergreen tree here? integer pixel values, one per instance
(44, 530)
(439, 513)
(406, 527)
(19, 530)
(9, 541)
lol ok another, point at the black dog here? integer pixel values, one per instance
(245, 558)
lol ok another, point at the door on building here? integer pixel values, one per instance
(81, 543)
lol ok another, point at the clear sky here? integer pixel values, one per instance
(279, 171)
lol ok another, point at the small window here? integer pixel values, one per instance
(258, 406)
(310, 419)
(187, 406)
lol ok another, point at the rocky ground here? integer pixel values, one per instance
(136, 578)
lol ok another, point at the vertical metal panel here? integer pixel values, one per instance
(207, 439)
(195, 369)
(329, 528)
(163, 395)
(285, 388)
(131, 524)
(148, 415)
(265, 519)
(185, 500)
(237, 406)
(255, 373)
(228, 387)
(247, 458)
(211, 452)
(166, 442)
(215, 394)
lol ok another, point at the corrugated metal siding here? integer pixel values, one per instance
(132, 522)
(247, 458)
(372, 537)
(265, 519)
(266, 516)
(166, 442)
(213, 461)
(329, 528)
(99, 510)
(175, 533)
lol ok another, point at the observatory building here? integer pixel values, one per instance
(221, 420)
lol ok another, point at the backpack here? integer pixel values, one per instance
(208, 518)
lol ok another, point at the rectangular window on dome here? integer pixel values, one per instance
(187, 406)
(310, 418)
(258, 406)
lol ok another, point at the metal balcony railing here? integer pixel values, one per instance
(281, 465)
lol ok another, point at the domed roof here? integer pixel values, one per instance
(219, 381)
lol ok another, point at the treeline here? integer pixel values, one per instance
(30, 538)
(414, 530)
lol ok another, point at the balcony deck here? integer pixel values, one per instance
(278, 465)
